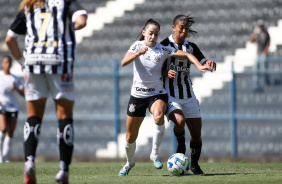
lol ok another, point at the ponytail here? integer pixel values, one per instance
(31, 4)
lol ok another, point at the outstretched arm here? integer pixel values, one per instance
(211, 64)
(130, 56)
(192, 58)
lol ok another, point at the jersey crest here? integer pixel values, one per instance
(131, 108)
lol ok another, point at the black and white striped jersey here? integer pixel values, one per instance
(179, 87)
(49, 36)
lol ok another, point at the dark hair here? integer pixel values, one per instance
(190, 21)
(9, 57)
(150, 21)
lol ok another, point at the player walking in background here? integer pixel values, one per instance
(262, 38)
(49, 54)
(147, 90)
(9, 85)
(183, 104)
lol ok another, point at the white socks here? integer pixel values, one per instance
(130, 151)
(6, 148)
(157, 138)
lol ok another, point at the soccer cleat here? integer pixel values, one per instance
(125, 170)
(195, 168)
(181, 148)
(29, 172)
(62, 177)
(157, 163)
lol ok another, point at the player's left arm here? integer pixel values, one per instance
(192, 58)
(200, 56)
(78, 15)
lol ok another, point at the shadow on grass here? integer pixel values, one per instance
(219, 174)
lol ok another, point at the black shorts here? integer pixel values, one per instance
(137, 106)
(9, 114)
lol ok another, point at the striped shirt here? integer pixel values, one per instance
(49, 36)
(179, 87)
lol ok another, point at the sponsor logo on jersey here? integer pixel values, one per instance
(148, 58)
(183, 69)
(131, 108)
(145, 89)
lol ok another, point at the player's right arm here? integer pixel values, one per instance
(13, 46)
(17, 28)
(131, 56)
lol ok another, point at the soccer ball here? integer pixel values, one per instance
(178, 164)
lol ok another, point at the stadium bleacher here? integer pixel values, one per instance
(222, 25)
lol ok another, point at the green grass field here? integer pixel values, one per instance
(144, 172)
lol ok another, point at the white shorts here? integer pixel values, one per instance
(39, 86)
(189, 106)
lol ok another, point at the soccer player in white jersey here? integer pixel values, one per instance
(9, 85)
(147, 90)
(183, 104)
(48, 26)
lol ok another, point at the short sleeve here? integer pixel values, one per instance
(75, 10)
(168, 51)
(19, 25)
(197, 53)
(134, 47)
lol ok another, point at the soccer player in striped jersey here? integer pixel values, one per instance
(147, 90)
(48, 26)
(183, 104)
(9, 85)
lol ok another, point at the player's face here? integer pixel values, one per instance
(6, 64)
(181, 30)
(151, 34)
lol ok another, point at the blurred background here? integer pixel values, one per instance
(238, 122)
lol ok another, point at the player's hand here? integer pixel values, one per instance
(12, 86)
(142, 51)
(171, 74)
(211, 64)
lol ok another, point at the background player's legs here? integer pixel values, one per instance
(35, 111)
(11, 125)
(66, 133)
(195, 127)
(2, 133)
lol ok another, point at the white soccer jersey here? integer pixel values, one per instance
(50, 38)
(7, 95)
(180, 87)
(147, 80)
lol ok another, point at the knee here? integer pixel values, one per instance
(159, 118)
(180, 123)
(130, 138)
